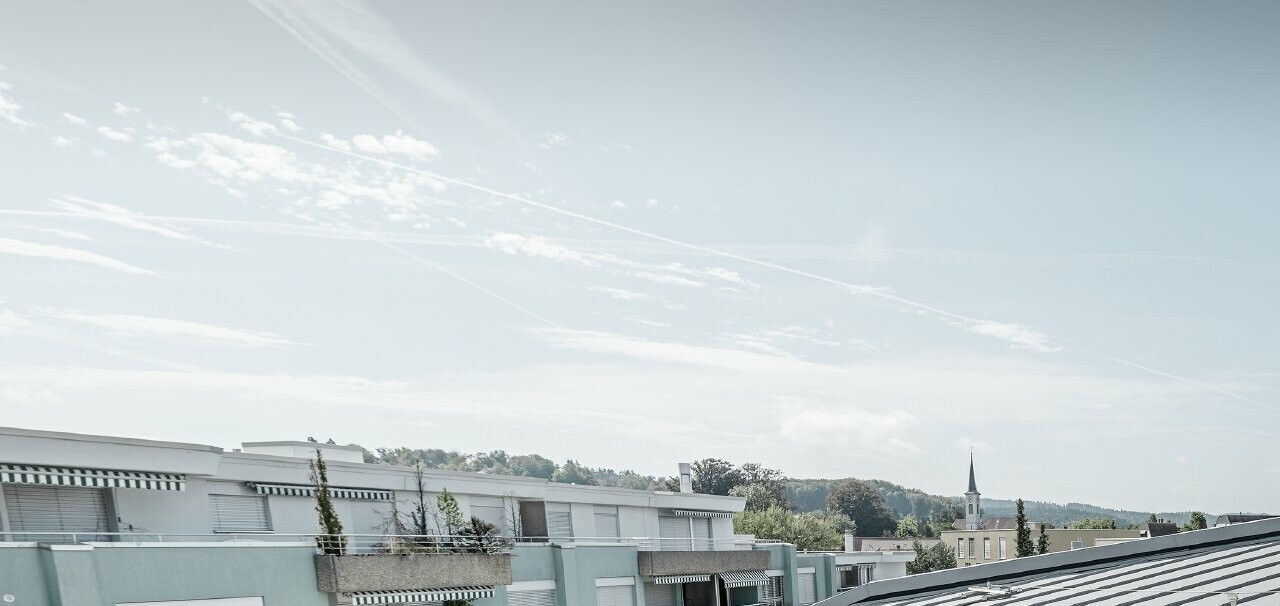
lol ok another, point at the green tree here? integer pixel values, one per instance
(1042, 544)
(1151, 519)
(1094, 523)
(758, 496)
(573, 472)
(842, 523)
(532, 465)
(452, 520)
(908, 526)
(1197, 522)
(715, 476)
(1024, 545)
(863, 503)
(330, 540)
(939, 557)
(806, 531)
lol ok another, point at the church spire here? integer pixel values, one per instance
(973, 483)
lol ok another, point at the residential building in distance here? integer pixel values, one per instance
(1238, 518)
(986, 540)
(1223, 565)
(1158, 528)
(88, 519)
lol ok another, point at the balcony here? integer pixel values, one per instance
(383, 563)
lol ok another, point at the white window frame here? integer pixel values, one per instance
(1004, 548)
(960, 553)
(986, 548)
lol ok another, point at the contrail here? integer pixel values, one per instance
(853, 288)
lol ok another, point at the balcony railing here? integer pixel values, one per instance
(389, 543)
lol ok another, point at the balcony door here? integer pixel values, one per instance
(56, 509)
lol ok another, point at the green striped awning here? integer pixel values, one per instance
(694, 513)
(306, 490)
(90, 478)
(681, 578)
(418, 596)
(744, 578)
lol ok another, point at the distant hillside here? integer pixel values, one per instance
(811, 495)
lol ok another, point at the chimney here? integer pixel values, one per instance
(848, 542)
(686, 478)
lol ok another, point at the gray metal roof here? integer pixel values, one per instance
(1193, 568)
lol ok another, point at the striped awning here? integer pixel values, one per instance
(304, 490)
(90, 478)
(686, 578)
(744, 578)
(693, 513)
(418, 596)
(848, 567)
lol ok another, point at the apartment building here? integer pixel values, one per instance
(91, 519)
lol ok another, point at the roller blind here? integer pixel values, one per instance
(239, 513)
(808, 588)
(618, 595)
(701, 533)
(55, 509)
(671, 527)
(659, 595)
(559, 521)
(532, 597)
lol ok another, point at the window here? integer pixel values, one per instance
(606, 521)
(808, 588)
(671, 530)
(1004, 552)
(531, 597)
(701, 533)
(960, 549)
(55, 509)
(239, 513)
(770, 593)
(970, 508)
(491, 510)
(559, 521)
(986, 548)
(616, 595)
(1077, 544)
(973, 551)
(659, 595)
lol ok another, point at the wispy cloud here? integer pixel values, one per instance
(536, 246)
(331, 28)
(31, 249)
(10, 109)
(887, 432)
(61, 233)
(120, 136)
(553, 140)
(672, 353)
(110, 213)
(74, 120)
(621, 293)
(177, 329)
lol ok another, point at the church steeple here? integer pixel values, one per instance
(973, 501)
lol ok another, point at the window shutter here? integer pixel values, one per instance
(559, 521)
(239, 513)
(701, 533)
(671, 527)
(659, 595)
(532, 597)
(808, 588)
(606, 521)
(618, 595)
(55, 509)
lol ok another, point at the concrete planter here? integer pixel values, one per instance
(387, 572)
(660, 563)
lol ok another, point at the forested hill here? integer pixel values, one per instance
(803, 495)
(811, 495)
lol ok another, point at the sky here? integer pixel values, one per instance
(835, 238)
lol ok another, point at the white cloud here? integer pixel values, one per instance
(536, 246)
(10, 108)
(329, 28)
(335, 142)
(122, 136)
(257, 128)
(672, 353)
(967, 444)
(31, 249)
(841, 428)
(61, 141)
(11, 322)
(289, 125)
(1019, 336)
(669, 279)
(619, 204)
(553, 140)
(619, 293)
(123, 217)
(70, 235)
(74, 120)
(398, 143)
(651, 203)
(121, 109)
(178, 329)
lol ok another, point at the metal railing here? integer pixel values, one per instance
(387, 543)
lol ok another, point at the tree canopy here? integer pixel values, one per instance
(1197, 522)
(1024, 545)
(1095, 523)
(939, 557)
(864, 505)
(806, 531)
